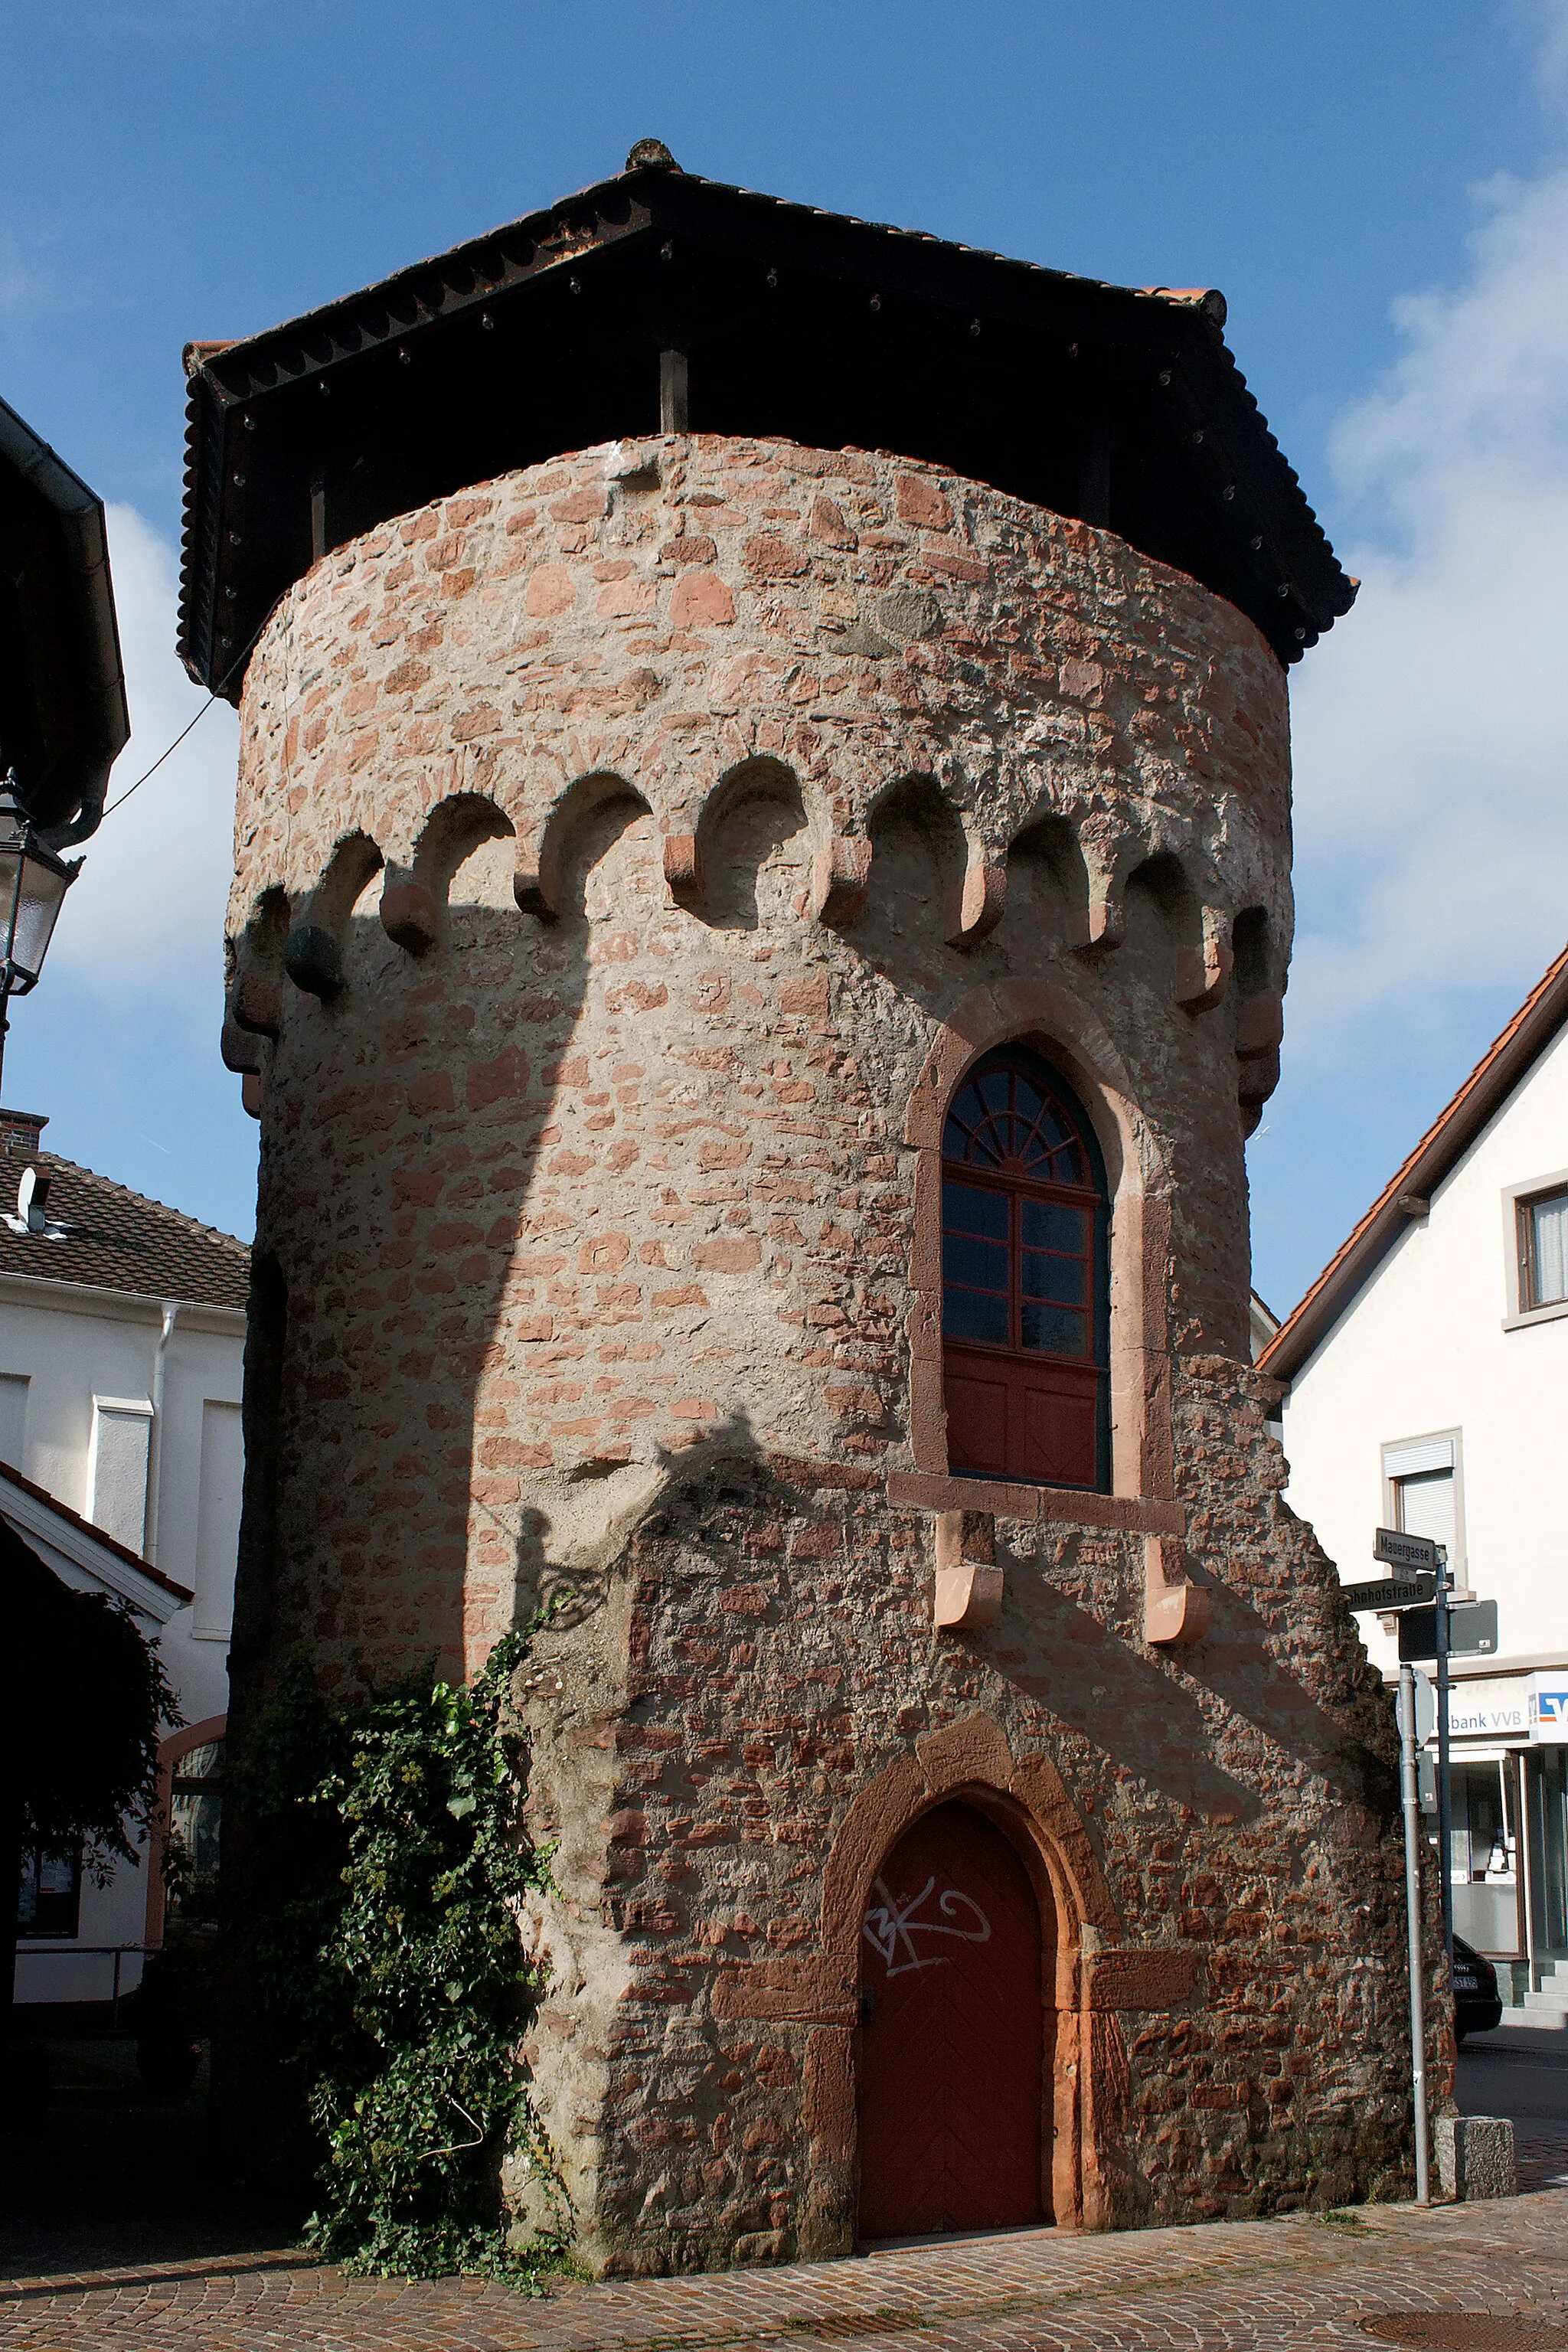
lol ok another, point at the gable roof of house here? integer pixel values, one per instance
(112, 1238)
(1505, 1062)
(82, 1554)
(1119, 405)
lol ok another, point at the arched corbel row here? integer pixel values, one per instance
(313, 954)
(413, 901)
(541, 856)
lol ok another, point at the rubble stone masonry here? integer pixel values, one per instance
(632, 855)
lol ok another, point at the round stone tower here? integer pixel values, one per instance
(691, 891)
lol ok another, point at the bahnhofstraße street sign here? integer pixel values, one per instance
(1416, 1555)
(1392, 1592)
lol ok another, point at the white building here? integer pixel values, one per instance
(1427, 1390)
(122, 1350)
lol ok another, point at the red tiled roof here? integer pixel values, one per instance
(115, 1239)
(1450, 1136)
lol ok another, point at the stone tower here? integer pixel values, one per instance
(765, 774)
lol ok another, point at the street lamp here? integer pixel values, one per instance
(33, 884)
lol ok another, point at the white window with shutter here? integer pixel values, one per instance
(1421, 1483)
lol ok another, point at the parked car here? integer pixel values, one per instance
(1478, 2006)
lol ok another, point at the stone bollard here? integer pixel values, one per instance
(1475, 2157)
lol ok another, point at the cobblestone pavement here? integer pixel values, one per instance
(1297, 2283)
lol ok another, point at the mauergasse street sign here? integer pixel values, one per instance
(1416, 1555)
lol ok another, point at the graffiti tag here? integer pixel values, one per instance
(890, 1927)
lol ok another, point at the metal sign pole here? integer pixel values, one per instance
(1412, 1930)
(1444, 1845)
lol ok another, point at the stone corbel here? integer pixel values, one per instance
(409, 915)
(1259, 1030)
(257, 1004)
(968, 1595)
(314, 961)
(1106, 925)
(1203, 974)
(536, 882)
(685, 872)
(240, 1048)
(1176, 1613)
(841, 876)
(975, 906)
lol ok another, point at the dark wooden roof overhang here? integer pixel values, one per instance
(64, 719)
(1118, 405)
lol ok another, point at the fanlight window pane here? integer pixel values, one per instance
(1546, 1250)
(1002, 1119)
(978, 1315)
(1054, 1332)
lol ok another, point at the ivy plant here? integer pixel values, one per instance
(394, 1965)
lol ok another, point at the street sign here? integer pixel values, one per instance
(1390, 1593)
(1414, 1554)
(1472, 1631)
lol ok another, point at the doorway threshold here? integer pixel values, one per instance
(952, 2238)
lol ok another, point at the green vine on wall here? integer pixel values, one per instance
(391, 1962)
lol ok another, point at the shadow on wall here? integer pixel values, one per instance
(473, 1271)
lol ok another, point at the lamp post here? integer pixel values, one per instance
(33, 884)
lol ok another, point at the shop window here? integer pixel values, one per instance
(1483, 1857)
(1025, 1319)
(1543, 1250)
(50, 1899)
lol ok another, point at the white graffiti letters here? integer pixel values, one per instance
(890, 1927)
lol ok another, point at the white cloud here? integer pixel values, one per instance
(144, 917)
(1431, 727)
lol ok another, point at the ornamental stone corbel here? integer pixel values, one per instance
(968, 1591)
(1175, 1611)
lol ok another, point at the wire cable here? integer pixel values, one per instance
(170, 749)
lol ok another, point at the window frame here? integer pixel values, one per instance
(1095, 1197)
(1390, 1453)
(1515, 1199)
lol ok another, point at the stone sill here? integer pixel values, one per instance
(1141, 1514)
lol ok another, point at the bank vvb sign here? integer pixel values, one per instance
(1515, 1708)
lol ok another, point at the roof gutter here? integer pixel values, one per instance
(85, 540)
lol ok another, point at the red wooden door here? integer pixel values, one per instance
(951, 2078)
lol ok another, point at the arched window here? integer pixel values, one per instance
(1026, 1290)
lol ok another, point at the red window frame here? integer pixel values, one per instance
(1033, 1413)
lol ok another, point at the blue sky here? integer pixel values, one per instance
(1380, 191)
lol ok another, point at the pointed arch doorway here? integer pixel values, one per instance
(957, 1951)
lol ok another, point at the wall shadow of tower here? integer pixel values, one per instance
(640, 848)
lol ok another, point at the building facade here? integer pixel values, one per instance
(122, 1463)
(1427, 1373)
(755, 960)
